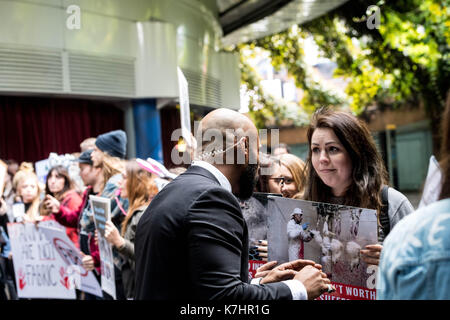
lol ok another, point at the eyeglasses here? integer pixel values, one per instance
(282, 180)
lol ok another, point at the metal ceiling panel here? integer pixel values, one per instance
(291, 12)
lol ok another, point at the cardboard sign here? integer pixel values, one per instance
(433, 183)
(331, 235)
(185, 113)
(253, 265)
(102, 212)
(255, 213)
(83, 280)
(42, 168)
(39, 270)
(18, 211)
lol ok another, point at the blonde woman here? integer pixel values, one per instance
(28, 191)
(290, 176)
(138, 186)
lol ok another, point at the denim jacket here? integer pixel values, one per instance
(415, 261)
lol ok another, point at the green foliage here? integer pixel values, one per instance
(286, 51)
(405, 60)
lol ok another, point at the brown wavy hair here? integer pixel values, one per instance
(68, 183)
(141, 189)
(445, 151)
(368, 170)
(110, 166)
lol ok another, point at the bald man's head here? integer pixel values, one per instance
(218, 133)
(226, 137)
(228, 119)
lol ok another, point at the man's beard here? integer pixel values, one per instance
(247, 182)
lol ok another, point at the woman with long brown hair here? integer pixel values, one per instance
(138, 186)
(344, 167)
(60, 191)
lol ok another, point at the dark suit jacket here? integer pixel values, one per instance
(192, 243)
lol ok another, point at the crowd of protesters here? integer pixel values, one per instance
(343, 167)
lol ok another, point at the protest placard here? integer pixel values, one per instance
(331, 235)
(433, 183)
(42, 168)
(39, 270)
(83, 280)
(185, 114)
(254, 211)
(102, 212)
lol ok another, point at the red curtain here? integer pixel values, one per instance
(32, 127)
(170, 121)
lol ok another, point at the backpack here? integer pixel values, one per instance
(384, 212)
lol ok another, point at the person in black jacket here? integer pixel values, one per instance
(192, 241)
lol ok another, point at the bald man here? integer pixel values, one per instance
(192, 241)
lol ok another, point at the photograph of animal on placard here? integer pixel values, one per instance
(331, 235)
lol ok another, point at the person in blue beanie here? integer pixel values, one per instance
(109, 154)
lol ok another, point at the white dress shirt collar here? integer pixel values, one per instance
(214, 171)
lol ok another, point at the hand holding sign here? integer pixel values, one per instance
(87, 262)
(371, 254)
(102, 215)
(284, 271)
(112, 235)
(315, 281)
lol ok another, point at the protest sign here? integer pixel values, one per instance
(39, 270)
(433, 183)
(102, 212)
(185, 115)
(42, 168)
(83, 280)
(331, 235)
(254, 211)
(18, 211)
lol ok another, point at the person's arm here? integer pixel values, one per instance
(215, 237)
(95, 253)
(404, 209)
(215, 233)
(124, 246)
(293, 229)
(371, 253)
(68, 216)
(127, 249)
(72, 200)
